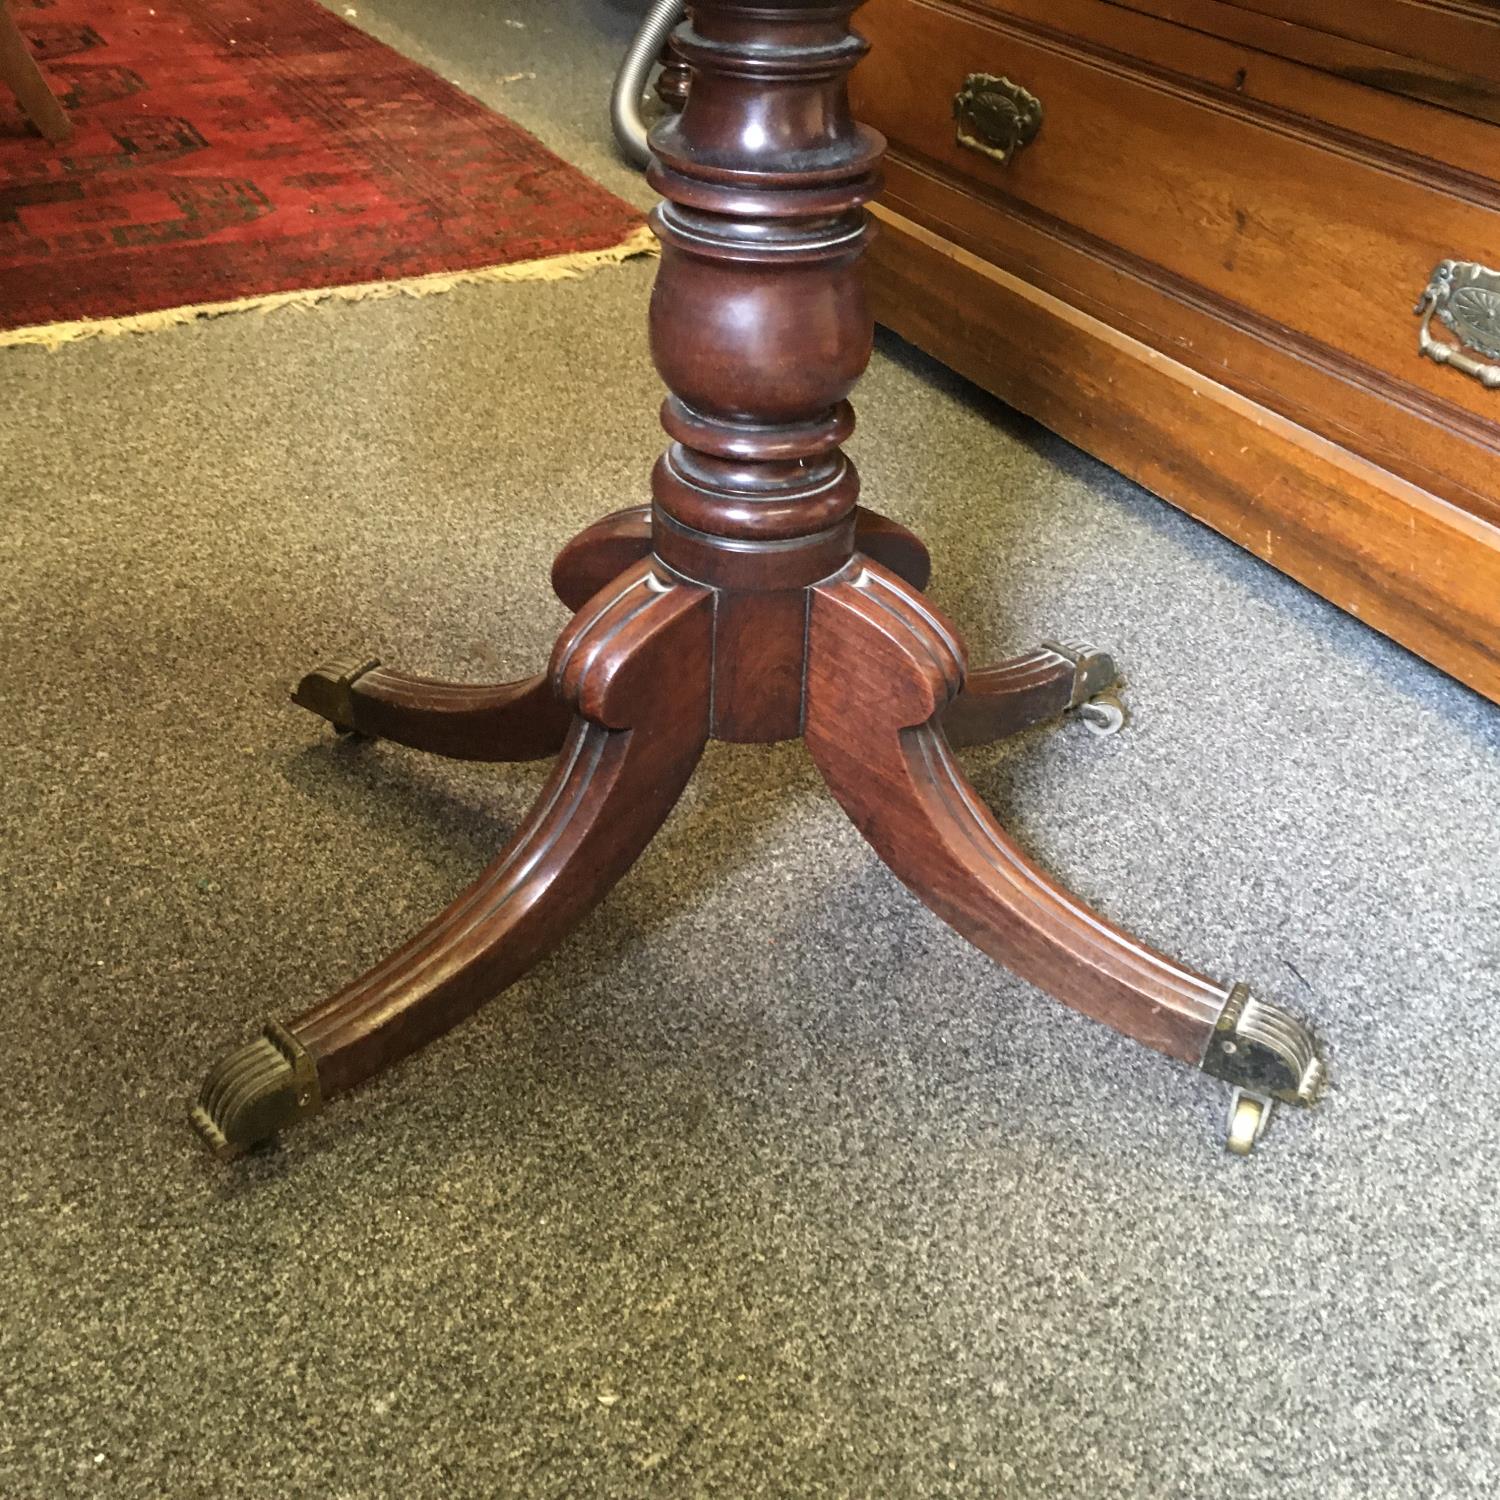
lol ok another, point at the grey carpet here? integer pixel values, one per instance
(766, 1184)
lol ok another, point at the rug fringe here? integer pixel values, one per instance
(641, 241)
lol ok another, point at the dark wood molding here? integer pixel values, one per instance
(619, 540)
(884, 667)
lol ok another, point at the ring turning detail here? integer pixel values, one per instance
(753, 600)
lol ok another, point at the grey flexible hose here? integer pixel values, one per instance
(630, 81)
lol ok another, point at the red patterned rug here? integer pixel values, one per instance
(241, 153)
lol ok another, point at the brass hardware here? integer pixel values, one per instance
(329, 691)
(1465, 297)
(1096, 688)
(255, 1091)
(995, 116)
(1267, 1054)
(1261, 1047)
(1094, 671)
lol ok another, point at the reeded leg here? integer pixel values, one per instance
(522, 720)
(605, 549)
(634, 670)
(883, 667)
(1029, 689)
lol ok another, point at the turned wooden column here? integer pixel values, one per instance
(674, 79)
(760, 328)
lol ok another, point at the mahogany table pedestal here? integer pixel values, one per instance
(753, 600)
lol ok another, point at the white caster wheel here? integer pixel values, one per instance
(1103, 715)
(1249, 1114)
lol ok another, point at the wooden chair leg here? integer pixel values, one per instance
(883, 665)
(19, 72)
(1028, 689)
(635, 674)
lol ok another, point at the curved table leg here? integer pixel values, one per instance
(634, 667)
(883, 665)
(1029, 689)
(891, 545)
(508, 721)
(615, 542)
(600, 553)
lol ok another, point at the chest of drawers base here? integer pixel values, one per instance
(1205, 359)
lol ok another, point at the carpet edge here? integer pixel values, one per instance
(640, 241)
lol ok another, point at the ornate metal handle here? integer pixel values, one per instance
(995, 116)
(1465, 297)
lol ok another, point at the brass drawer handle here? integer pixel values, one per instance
(995, 116)
(1465, 296)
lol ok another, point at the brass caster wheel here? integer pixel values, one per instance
(1249, 1114)
(1103, 714)
(1268, 1055)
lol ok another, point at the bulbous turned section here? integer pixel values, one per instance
(759, 322)
(256, 1091)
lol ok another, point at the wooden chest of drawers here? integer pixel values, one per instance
(1189, 236)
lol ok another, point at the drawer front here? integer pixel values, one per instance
(1420, 570)
(1465, 39)
(1307, 235)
